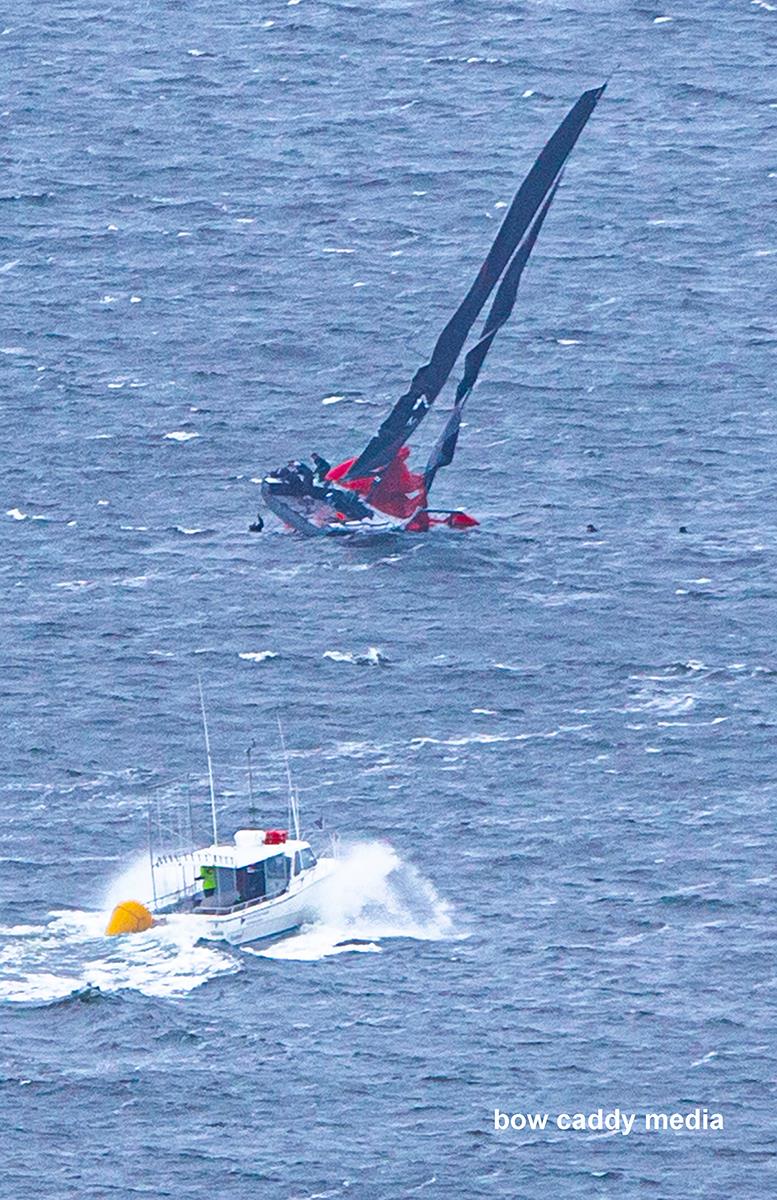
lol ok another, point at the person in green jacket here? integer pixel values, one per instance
(208, 880)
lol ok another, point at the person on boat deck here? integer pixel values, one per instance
(398, 491)
(297, 476)
(208, 880)
(321, 467)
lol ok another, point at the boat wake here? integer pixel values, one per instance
(68, 956)
(371, 895)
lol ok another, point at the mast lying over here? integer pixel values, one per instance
(504, 302)
(516, 237)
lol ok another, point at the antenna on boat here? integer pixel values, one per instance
(210, 765)
(293, 800)
(251, 808)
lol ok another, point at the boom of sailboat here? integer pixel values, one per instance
(376, 492)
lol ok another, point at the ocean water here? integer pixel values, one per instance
(229, 234)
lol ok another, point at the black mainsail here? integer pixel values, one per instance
(534, 195)
(504, 302)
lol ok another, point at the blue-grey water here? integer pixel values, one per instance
(229, 233)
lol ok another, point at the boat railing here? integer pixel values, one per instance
(213, 910)
(170, 900)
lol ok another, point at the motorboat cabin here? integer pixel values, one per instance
(261, 865)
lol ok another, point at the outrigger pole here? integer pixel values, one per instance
(210, 765)
(151, 850)
(293, 802)
(251, 808)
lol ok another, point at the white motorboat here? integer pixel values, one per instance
(261, 884)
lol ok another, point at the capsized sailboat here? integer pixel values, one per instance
(376, 492)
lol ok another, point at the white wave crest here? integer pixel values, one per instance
(663, 704)
(373, 657)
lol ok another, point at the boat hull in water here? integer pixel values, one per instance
(256, 920)
(313, 516)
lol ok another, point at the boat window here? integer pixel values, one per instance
(307, 858)
(297, 862)
(253, 882)
(226, 888)
(276, 873)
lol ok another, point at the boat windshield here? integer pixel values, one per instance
(263, 880)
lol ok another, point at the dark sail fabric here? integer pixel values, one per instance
(411, 408)
(504, 302)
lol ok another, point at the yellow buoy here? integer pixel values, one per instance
(129, 917)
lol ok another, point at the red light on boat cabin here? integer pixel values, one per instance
(275, 837)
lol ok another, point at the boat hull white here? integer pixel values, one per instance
(253, 922)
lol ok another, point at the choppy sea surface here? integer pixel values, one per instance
(229, 234)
